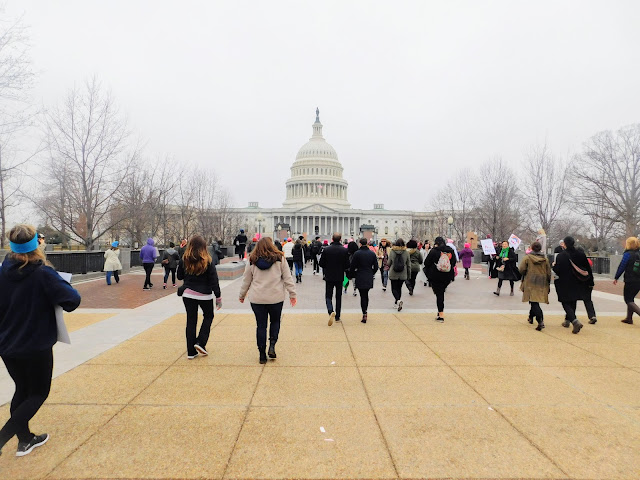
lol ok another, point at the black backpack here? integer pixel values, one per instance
(635, 269)
(398, 263)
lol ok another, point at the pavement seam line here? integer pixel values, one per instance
(530, 441)
(375, 415)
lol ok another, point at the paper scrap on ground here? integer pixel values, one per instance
(333, 363)
(328, 439)
(491, 408)
(322, 429)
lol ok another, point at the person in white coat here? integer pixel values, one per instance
(112, 263)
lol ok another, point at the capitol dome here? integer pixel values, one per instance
(316, 175)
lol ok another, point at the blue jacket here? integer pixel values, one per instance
(148, 252)
(27, 316)
(626, 266)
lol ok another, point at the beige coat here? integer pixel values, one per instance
(112, 260)
(267, 286)
(536, 278)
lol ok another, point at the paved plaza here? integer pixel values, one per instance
(482, 396)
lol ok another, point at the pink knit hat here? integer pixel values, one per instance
(467, 245)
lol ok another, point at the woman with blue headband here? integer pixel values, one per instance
(30, 291)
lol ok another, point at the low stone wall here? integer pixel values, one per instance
(230, 271)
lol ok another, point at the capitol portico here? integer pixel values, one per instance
(317, 203)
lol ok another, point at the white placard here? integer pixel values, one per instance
(487, 246)
(514, 241)
(63, 333)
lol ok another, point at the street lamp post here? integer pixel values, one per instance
(279, 230)
(450, 222)
(260, 219)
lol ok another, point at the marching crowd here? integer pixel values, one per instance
(32, 289)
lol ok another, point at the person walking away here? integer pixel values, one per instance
(112, 262)
(334, 262)
(416, 262)
(200, 285)
(316, 249)
(383, 262)
(352, 247)
(252, 245)
(536, 282)
(298, 259)
(218, 254)
(630, 266)
(170, 259)
(31, 290)
(287, 249)
(364, 265)
(265, 279)
(438, 268)
(148, 255)
(466, 254)
(399, 270)
(182, 247)
(278, 245)
(506, 267)
(241, 243)
(574, 282)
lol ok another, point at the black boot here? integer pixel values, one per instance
(577, 326)
(629, 319)
(263, 355)
(272, 349)
(497, 292)
(540, 325)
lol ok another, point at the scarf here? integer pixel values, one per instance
(504, 253)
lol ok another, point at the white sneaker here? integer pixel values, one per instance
(332, 317)
(201, 350)
(191, 357)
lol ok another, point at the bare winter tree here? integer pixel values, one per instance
(227, 221)
(206, 195)
(88, 141)
(545, 188)
(16, 74)
(458, 200)
(608, 172)
(498, 210)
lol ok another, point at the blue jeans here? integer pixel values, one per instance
(385, 277)
(115, 276)
(298, 266)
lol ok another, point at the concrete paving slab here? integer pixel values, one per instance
(158, 442)
(629, 356)
(394, 354)
(586, 441)
(417, 386)
(296, 333)
(372, 319)
(231, 333)
(181, 319)
(141, 353)
(236, 354)
(460, 443)
(617, 386)
(479, 353)
(518, 385)
(102, 384)
(311, 354)
(310, 387)
(199, 384)
(548, 354)
(162, 333)
(68, 426)
(76, 321)
(517, 333)
(379, 333)
(436, 332)
(288, 443)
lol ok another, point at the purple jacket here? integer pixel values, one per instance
(466, 254)
(148, 254)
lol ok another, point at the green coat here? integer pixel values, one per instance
(416, 259)
(536, 278)
(393, 255)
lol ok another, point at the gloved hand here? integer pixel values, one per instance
(218, 303)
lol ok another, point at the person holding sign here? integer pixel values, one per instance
(506, 267)
(31, 289)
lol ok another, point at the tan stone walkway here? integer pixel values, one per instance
(481, 396)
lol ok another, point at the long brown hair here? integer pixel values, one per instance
(196, 258)
(267, 250)
(22, 234)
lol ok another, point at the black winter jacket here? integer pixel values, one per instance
(298, 253)
(334, 262)
(568, 287)
(27, 301)
(204, 283)
(432, 273)
(364, 265)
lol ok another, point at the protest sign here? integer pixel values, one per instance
(487, 246)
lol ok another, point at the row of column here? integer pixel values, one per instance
(329, 190)
(327, 225)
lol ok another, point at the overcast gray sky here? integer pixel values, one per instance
(417, 86)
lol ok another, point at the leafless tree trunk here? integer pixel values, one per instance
(457, 200)
(16, 74)
(87, 139)
(607, 177)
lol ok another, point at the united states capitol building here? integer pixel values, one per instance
(317, 203)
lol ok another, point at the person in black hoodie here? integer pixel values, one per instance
(197, 270)
(241, 244)
(364, 265)
(574, 282)
(316, 250)
(334, 262)
(31, 290)
(298, 259)
(438, 267)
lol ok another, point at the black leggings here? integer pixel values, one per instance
(264, 312)
(536, 311)
(511, 282)
(32, 376)
(148, 267)
(396, 289)
(173, 274)
(630, 291)
(438, 290)
(364, 299)
(191, 306)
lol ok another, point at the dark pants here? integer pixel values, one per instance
(32, 376)
(438, 290)
(290, 262)
(630, 291)
(511, 282)
(364, 299)
(148, 267)
(329, 287)
(267, 312)
(191, 306)
(115, 276)
(396, 289)
(491, 263)
(316, 265)
(411, 282)
(241, 250)
(466, 271)
(588, 305)
(570, 310)
(535, 311)
(173, 274)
